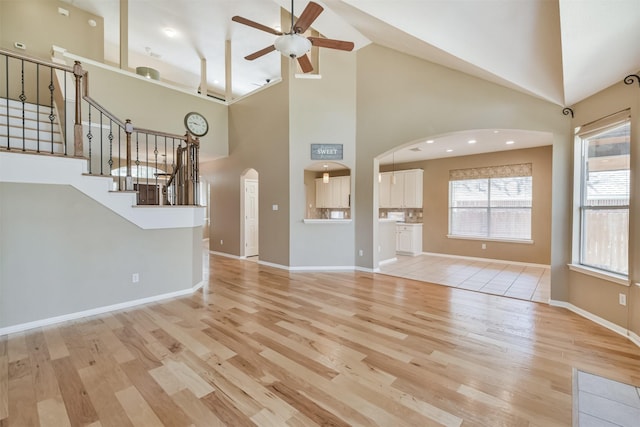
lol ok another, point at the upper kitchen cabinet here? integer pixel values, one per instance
(405, 191)
(335, 193)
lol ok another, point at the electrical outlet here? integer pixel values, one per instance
(622, 299)
(361, 252)
(484, 246)
(135, 278)
(221, 242)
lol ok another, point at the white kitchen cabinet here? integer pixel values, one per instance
(412, 187)
(409, 239)
(340, 188)
(397, 189)
(406, 192)
(333, 194)
(384, 194)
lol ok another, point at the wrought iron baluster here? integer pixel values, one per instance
(138, 160)
(155, 152)
(110, 146)
(90, 137)
(146, 173)
(38, 110)
(52, 116)
(6, 75)
(22, 98)
(119, 158)
(66, 113)
(101, 139)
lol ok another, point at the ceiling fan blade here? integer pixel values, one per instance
(261, 52)
(256, 25)
(331, 43)
(309, 14)
(305, 63)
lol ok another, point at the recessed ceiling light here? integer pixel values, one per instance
(169, 32)
(472, 141)
(430, 141)
(496, 131)
(510, 142)
(449, 150)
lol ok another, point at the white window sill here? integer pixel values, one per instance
(484, 239)
(604, 275)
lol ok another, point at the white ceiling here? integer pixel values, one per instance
(559, 50)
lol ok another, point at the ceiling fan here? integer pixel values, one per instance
(293, 44)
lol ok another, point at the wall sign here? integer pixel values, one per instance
(326, 151)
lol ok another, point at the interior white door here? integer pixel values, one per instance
(250, 217)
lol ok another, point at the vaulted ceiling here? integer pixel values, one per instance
(559, 50)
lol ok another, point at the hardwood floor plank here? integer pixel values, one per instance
(154, 395)
(189, 378)
(4, 379)
(199, 413)
(44, 378)
(76, 400)
(52, 413)
(55, 344)
(139, 412)
(311, 410)
(23, 410)
(101, 382)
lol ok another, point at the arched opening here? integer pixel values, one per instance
(475, 204)
(328, 191)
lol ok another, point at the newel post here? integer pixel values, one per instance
(78, 150)
(128, 181)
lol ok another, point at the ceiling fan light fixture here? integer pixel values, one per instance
(292, 45)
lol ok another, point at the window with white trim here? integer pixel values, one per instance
(604, 194)
(491, 202)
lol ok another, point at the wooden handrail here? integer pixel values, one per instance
(35, 60)
(103, 110)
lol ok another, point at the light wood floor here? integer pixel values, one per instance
(261, 346)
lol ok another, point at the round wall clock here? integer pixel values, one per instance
(196, 124)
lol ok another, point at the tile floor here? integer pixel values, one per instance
(601, 402)
(498, 278)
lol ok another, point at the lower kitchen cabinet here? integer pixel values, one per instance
(409, 239)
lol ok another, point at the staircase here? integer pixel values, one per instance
(39, 134)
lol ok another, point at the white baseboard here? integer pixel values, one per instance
(226, 255)
(340, 268)
(98, 310)
(599, 320)
(388, 261)
(367, 269)
(501, 261)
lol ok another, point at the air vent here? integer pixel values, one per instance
(415, 149)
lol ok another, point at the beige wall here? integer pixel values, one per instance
(323, 111)
(38, 25)
(436, 213)
(151, 105)
(401, 99)
(258, 139)
(85, 255)
(599, 296)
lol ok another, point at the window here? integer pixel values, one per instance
(604, 201)
(492, 202)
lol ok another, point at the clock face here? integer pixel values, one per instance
(196, 124)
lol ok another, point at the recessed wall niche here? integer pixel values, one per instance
(328, 191)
